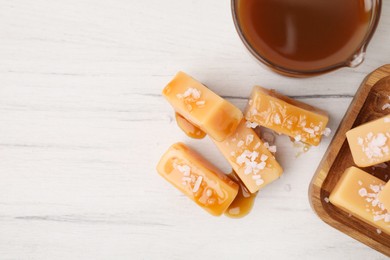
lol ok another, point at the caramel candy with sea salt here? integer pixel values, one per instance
(197, 178)
(287, 116)
(357, 193)
(384, 196)
(250, 158)
(202, 107)
(370, 142)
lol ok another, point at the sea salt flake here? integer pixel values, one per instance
(375, 145)
(375, 188)
(254, 156)
(234, 211)
(272, 149)
(386, 106)
(256, 177)
(250, 124)
(249, 139)
(254, 111)
(185, 169)
(240, 159)
(261, 166)
(379, 140)
(240, 143)
(378, 217)
(363, 192)
(248, 170)
(195, 93)
(327, 131)
(308, 130)
(197, 184)
(186, 179)
(263, 157)
(259, 182)
(277, 119)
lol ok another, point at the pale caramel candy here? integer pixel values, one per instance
(357, 193)
(284, 115)
(202, 107)
(250, 158)
(370, 142)
(197, 178)
(384, 196)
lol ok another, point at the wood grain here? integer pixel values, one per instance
(366, 106)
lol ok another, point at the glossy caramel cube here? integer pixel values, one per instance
(370, 142)
(197, 178)
(202, 107)
(287, 116)
(357, 193)
(250, 159)
(384, 196)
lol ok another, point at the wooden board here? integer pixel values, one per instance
(366, 106)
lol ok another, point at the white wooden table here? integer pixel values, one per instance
(83, 124)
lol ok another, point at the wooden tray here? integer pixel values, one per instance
(366, 105)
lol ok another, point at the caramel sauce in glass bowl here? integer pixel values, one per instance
(306, 37)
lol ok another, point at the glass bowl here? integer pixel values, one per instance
(355, 59)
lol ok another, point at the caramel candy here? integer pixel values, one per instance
(197, 178)
(384, 196)
(370, 142)
(357, 193)
(287, 116)
(250, 158)
(202, 107)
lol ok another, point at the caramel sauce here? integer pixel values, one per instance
(188, 128)
(244, 201)
(305, 35)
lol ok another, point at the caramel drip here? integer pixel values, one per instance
(244, 201)
(188, 128)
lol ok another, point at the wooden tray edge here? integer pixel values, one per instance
(321, 173)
